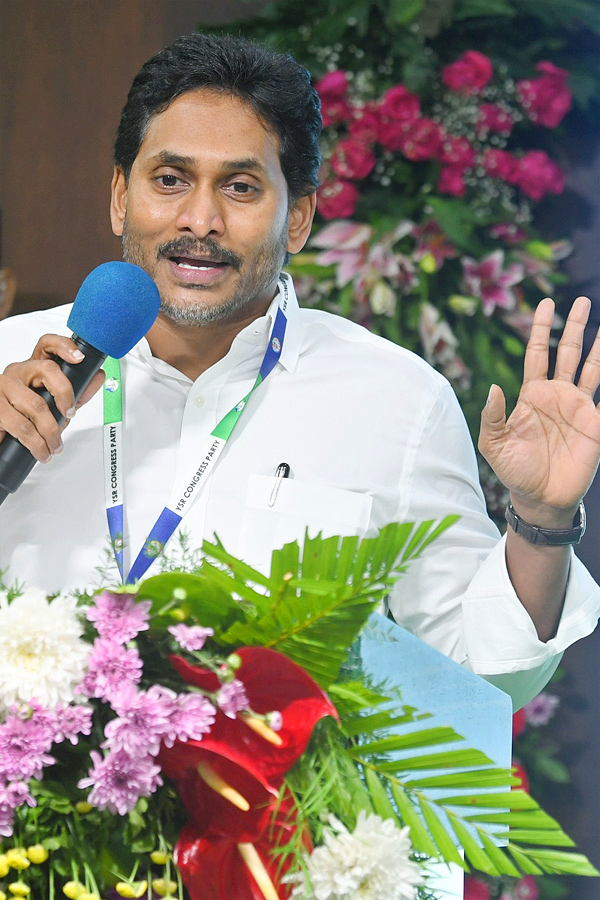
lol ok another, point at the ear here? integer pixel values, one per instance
(300, 219)
(118, 200)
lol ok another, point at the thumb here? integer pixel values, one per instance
(493, 421)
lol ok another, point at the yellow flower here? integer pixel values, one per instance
(73, 889)
(88, 896)
(130, 889)
(83, 807)
(37, 853)
(159, 857)
(163, 887)
(4, 866)
(2, 895)
(428, 264)
(16, 857)
(19, 888)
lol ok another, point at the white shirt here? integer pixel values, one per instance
(372, 435)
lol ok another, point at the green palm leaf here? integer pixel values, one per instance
(315, 602)
(496, 829)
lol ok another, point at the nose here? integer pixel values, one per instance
(200, 213)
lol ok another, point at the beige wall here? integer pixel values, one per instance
(65, 69)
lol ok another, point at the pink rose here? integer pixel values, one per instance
(422, 141)
(476, 889)
(499, 164)
(537, 175)
(333, 86)
(337, 199)
(527, 889)
(333, 91)
(399, 104)
(457, 151)
(352, 159)
(469, 74)
(365, 123)
(546, 100)
(391, 135)
(451, 181)
(494, 118)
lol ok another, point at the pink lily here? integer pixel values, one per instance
(345, 244)
(489, 281)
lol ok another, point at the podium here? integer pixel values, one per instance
(432, 683)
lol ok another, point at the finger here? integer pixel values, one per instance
(25, 416)
(536, 354)
(493, 422)
(568, 354)
(94, 386)
(48, 374)
(50, 345)
(590, 373)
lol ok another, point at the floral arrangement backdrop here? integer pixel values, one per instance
(441, 214)
(445, 125)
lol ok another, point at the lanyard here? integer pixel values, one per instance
(186, 488)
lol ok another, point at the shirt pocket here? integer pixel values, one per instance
(296, 507)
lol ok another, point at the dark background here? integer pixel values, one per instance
(65, 69)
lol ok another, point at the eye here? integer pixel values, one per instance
(242, 188)
(168, 180)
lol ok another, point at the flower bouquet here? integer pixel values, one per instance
(209, 731)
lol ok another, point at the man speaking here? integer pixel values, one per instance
(240, 415)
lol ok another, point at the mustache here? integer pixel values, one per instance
(206, 249)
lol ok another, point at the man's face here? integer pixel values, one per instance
(206, 212)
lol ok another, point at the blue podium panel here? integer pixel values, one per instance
(430, 682)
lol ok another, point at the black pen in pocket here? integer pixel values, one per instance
(282, 471)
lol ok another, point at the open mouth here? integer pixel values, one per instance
(186, 262)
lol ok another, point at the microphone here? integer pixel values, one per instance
(114, 308)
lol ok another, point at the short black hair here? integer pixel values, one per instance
(277, 87)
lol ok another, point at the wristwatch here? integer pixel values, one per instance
(551, 537)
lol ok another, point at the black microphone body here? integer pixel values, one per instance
(16, 461)
(114, 308)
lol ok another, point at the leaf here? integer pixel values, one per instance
(379, 798)
(423, 738)
(314, 604)
(418, 833)
(190, 594)
(477, 856)
(401, 12)
(440, 835)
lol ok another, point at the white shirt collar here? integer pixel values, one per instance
(254, 335)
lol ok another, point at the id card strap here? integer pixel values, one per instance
(113, 443)
(186, 489)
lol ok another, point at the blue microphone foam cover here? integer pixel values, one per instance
(114, 308)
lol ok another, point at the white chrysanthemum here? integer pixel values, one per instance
(372, 863)
(42, 655)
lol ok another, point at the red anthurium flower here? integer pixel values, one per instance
(228, 781)
(272, 683)
(223, 813)
(221, 869)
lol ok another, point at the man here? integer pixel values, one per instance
(216, 164)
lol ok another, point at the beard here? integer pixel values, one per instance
(256, 275)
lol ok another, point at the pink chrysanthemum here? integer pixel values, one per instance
(144, 717)
(232, 698)
(118, 616)
(24, 747)
(192, 718)
(111, 667)
(118, 781)
(71, 721)
(190, 637)
(11, 797)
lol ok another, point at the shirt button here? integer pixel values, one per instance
(199, 401)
